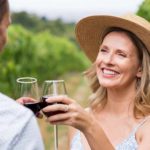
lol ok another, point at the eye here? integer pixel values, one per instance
(122, 54)
(103, 50)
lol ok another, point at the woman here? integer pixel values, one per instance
(118, 117)
(19, 129)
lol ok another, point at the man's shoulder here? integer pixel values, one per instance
(13, 110)
(18, 124)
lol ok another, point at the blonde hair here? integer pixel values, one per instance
(142, 98)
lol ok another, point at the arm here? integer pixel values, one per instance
(96, 137)
(71, 134)
(29, 137)
(19, 128)
(80, 119)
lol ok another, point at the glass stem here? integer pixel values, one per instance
(55, 137)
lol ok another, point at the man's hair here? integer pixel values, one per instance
(4, 8)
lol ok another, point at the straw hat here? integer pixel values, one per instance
(89, 31)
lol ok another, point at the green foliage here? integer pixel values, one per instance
(144, 10)
(37, 24)
(43, 56)
(60, 53)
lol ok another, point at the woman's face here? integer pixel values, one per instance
(117, 64)
(3, 30)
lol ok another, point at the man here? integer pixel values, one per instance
(18, 126)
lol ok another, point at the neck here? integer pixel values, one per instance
(120, 102)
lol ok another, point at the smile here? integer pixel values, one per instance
(109, 72)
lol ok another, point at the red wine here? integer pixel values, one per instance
(44, 104)
(35, 107)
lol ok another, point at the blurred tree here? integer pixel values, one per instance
(31, 22)
(44, 56)
(144, 10)
(38, 24)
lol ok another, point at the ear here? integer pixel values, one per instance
(139, 72)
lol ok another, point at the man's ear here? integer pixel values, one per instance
(139, 72)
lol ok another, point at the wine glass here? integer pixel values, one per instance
(53, 88)
(28, 87)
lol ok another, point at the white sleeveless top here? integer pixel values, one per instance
(129, 143)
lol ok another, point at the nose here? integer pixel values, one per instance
(108, 59)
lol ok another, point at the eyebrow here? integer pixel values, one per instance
(121, 51)
(118, 50)
(103, 46)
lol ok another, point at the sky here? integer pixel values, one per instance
(74, 10)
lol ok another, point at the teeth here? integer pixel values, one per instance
(109, 72)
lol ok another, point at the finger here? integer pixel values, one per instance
(61, 99)
(58, 117)
(28, 99)
(20, 100)
(56, 107)
(23, 100)
(62, 122)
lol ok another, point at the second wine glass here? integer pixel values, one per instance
(53, 88)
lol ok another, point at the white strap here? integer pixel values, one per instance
(141, 123)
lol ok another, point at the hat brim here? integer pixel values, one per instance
(90, 29)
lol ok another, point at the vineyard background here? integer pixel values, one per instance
(47, 49)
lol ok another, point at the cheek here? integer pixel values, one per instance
(98, 59)
(97, 64)
(129, 70)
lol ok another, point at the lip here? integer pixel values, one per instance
(109, 73)
(108, 69)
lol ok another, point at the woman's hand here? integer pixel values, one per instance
(74, 115)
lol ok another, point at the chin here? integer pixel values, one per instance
(108, 84)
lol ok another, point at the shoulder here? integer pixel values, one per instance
(10, 110)
(15, 120)
(74, 133)
(143, 133)
(145, 125)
